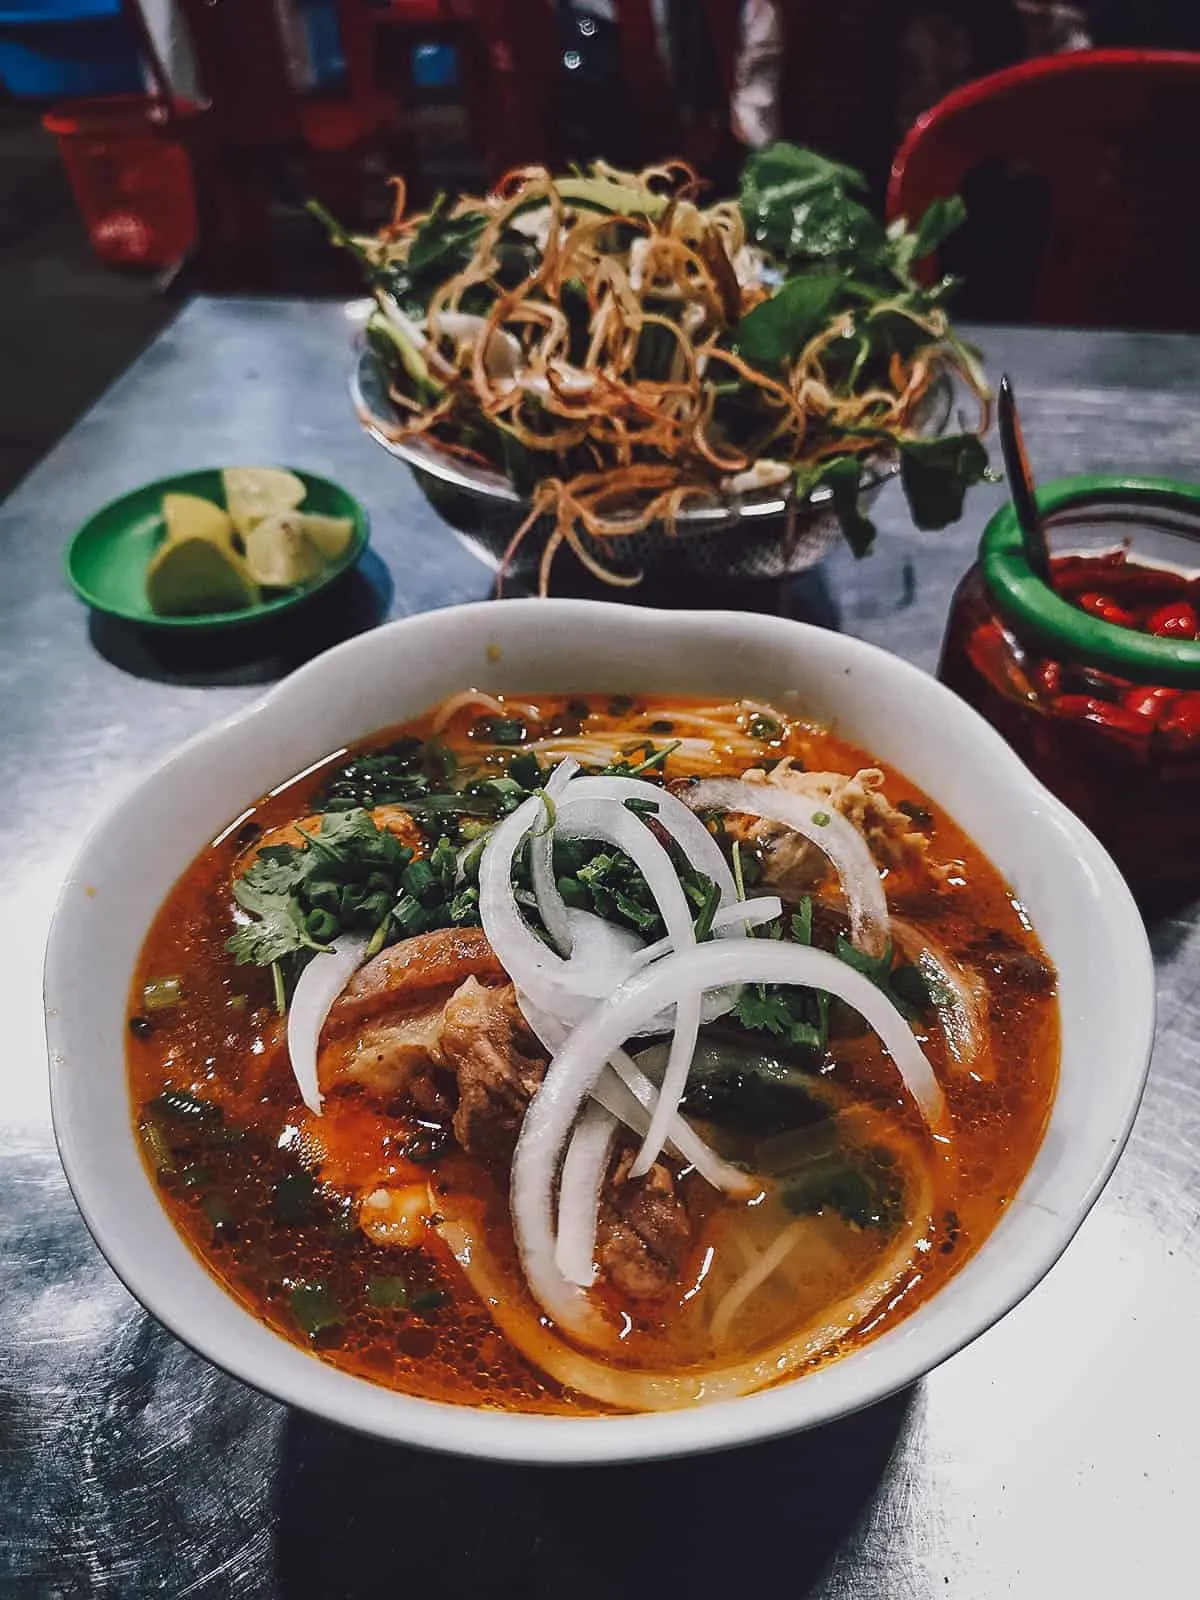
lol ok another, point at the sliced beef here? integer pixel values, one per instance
(412, 968)
(644, 1231)
(497, 1061)
(434, 1021)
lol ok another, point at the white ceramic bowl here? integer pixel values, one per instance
(1077, 900)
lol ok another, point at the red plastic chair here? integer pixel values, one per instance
(1083, 170)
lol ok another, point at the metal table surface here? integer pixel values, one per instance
(1057, 1456)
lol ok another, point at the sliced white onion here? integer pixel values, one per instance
(579, 1193)
(629, 1094)
(611, 821)
(836, 838)
(682, 1138)
(577, 1066)
(319, 985)
(551, 906)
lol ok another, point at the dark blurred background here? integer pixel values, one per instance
(151, 150)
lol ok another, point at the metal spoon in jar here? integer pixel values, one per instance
(1021, 485)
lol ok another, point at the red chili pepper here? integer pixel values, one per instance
(1177, 620)
(1106, 608)
(1048, 677)
(1128, 726)
(1152, 703)
(1182, 728)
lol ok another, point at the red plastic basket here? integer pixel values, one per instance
(131, 177)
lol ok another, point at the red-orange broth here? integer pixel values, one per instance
(233, 1158)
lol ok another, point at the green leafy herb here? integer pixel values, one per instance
(903, 984)
(315, 1307)
(863, 1186)
(788, 1014)
(780, 327)
(842, 476)
(937, 473)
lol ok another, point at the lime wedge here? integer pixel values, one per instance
(252, 493)
(280, 553)
(188, 516)
(331, 535)
(193, 576)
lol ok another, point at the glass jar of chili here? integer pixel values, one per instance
(1096, 680)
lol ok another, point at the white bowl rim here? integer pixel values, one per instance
(866, 1376)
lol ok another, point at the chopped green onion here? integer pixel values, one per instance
(315, 1307)
(293, 1199)
(379, 938)
(508, 730)
(321, 925)
(524, 769)
(655, 760)
(280, 991)
(574, 894)
(550, 810)
(764, 728)
(157, 1149)
(184, 1107)
(428, 1299)
(387, 1292)
(217, 1209)
(821, 818)
(704, 920)
(738, 879)
(421, 882)
(642, 808)
(162, 994)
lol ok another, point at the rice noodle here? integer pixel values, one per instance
(643, 1390)
(833, 835)
(318, 986)
(476, 697)
(756, 1275)
(577, 1066)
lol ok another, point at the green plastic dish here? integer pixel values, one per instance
(106, 560)
(1061, 629)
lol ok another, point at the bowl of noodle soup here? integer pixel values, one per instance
(551, 1256)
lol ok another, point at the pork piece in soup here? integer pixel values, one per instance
(591, 1054)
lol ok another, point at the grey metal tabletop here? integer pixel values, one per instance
(1057, 1456)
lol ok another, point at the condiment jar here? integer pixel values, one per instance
(1100, 692)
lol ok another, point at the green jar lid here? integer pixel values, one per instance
(1061, 630)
